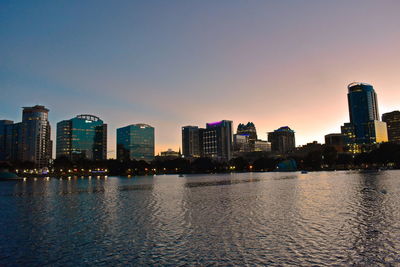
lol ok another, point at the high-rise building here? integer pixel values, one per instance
(282, 140)
(36, 145)
(191, 142)
(392, 120)
(217, 140)
(248, 129)
(135, 142)
(82, 137)
(6, 128)
(364, 115)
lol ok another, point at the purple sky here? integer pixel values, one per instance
(175, 63)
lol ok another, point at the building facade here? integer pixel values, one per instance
(135, 142)
(392, 120)
(191, 142)
(336, 140)
(82, 137)
(282, 140)
(364, 114)
(35, 142)
(217, 140)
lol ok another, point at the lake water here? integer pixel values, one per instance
(321, 218)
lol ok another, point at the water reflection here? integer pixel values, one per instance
(325, 218)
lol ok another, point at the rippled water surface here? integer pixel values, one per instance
(323, 218)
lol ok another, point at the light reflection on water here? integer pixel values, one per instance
(323, 218)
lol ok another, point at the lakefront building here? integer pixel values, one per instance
(135, 142)
(364, 127)
(82, 137)
(282, 140)
(191, 141)
(217, 140)
(392, 120)
(34, 143)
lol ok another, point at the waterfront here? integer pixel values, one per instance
(319, 218)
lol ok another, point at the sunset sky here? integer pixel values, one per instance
(176, 63)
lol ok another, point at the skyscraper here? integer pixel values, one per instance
(364, 115)
(6, 145)
(282, 140)
(217, 140)
(135, 141)
(82, 137)
(191, 145)
(36, 145)
(392, 120)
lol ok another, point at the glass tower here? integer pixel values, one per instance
(135, 142)
(84, 136)
(363, 108)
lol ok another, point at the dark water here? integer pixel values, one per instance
(325, 218)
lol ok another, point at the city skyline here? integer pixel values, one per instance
(237, 62)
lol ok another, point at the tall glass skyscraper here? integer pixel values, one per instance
(135, 142)
(84, 136)
(364, 114)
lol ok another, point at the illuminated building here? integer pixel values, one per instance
(241, 143)
(261, 145)
(135, 142)
(282, 140)
(83, 137)
(392, 120)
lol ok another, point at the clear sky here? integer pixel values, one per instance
(175, 63)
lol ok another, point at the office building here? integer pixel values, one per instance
(282, 140)
(217, 140)
(191, 141)
(261, 145)
(392, 120)
(35, 143)
(241, 143)
(364, 115)
(135, 142)
(82, 137)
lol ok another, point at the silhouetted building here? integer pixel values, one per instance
(392, 120)
(191, 141)
(170, 154)
(364, 115)
(135, 142)
(35, 143)
(282, 140)
(304, 150)
(335, 140)
(82, 137)
(217, 140)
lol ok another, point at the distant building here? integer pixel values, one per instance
(282, 140)
(170, 154)
(364, 115)
(82, 137)
(5, 140)
(241, 143)
(35, 143)
(335, 140)
(217, 140)
(392, 120)
(261, 145)
(135, 142)
(304, 150)
(248, 129)
(191, 141)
